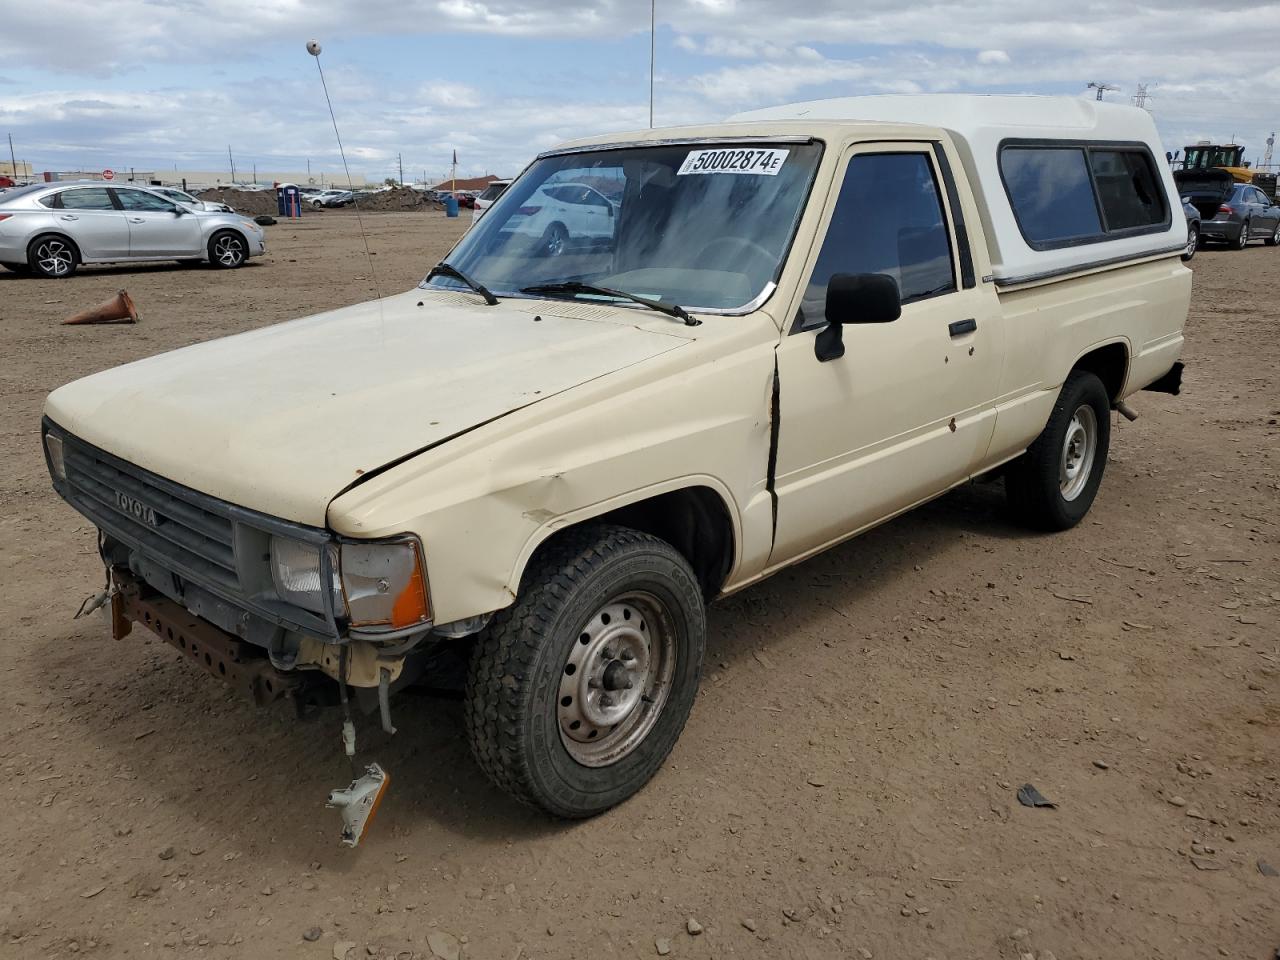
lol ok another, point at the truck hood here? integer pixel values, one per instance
(284, 418)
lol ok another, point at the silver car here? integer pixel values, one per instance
(51, 228)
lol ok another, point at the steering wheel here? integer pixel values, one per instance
(737, 243)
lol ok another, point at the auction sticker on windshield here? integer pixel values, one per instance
(762, 162)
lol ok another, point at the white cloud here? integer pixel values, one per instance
(992, 56)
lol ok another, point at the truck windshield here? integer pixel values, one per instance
(701, 225)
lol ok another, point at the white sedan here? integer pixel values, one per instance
(565, 215)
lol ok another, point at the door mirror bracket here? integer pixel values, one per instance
(855, 298)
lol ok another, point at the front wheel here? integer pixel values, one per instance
(1274, 239)
(227, 250)
(555, 239)
(577, 693)
(1052, 485)
(1242, 240)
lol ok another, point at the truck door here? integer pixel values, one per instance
(908, 410)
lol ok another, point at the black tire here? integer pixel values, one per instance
(519, 695)
(1274, 239)
(1242, 240)
(1193, 242)
(555, 239)
(1040, 493)
(53, 256)
(228, 250)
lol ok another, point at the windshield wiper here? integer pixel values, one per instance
(576, 286)
(443, 269)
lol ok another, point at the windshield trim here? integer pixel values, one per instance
(673, 142)
(749, 307)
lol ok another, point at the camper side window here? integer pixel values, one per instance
(1074, 193)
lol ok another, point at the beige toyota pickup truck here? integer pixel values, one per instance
(663, 366)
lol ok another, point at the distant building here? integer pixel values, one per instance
(466, 183)
(15, 171)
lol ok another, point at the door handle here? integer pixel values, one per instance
(68, 216)
(961, 327)
(137, 220)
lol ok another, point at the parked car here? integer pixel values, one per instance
(1230, 212)
(330, 198)
(50, 229)
(1192, 216)
(484, 200)
(187, 200)
(563, 217)
(808, 321)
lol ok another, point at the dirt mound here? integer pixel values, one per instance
(398, 198)
(252, 203)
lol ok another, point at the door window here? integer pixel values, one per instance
(141, 200)
(90, 198)
(888, 219)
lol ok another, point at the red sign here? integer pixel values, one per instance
(108, 175)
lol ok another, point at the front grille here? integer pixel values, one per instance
(152, 515)
(189, 534)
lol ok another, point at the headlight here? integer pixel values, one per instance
(377, 584)
(295, 569)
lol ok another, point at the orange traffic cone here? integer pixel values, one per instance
(119, 309)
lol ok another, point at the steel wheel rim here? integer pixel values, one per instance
(54, 257)
(629, 641)
(228, 251)
(1079, 447)
(1193, 238)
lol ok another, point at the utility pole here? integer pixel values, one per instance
(1101, 88)
(653, 42)
(1140, 97)
(400, 160)
(255, 171)
(12, 161)
(1266, 157)
(232, 161)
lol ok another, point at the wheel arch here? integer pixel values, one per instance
(1109, 362)
(694, 515)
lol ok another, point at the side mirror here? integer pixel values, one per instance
(179, 210)
(855, 298)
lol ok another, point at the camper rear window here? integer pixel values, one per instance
(1070, 194)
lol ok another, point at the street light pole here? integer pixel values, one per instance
(653, 41)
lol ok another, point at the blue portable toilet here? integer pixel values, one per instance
(451, 206)
(289, 200)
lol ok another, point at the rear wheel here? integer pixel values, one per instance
(1242, 240)
(1274, 239)
(53, 256)
(227, 250)
(577, 693)
(1053, 484)
(1193, 242)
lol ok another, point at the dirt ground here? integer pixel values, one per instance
(845, 786)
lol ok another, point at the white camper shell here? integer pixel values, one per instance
(991, 131)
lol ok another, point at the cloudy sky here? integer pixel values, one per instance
(159, 84)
